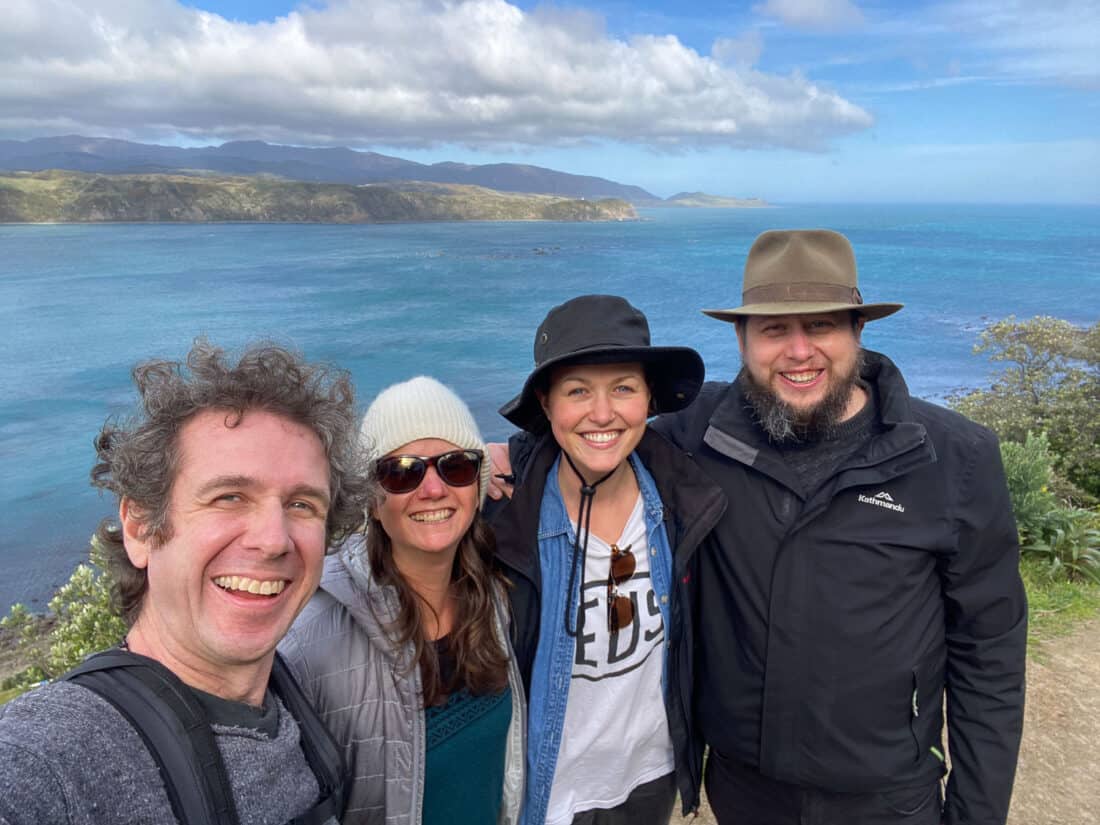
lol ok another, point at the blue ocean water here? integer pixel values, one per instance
(79, 305)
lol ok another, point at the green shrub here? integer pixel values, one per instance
(84, 622)
(1063, 541)
(27, 628)
(1050, 383)
(1067, 544)
(1029, 472)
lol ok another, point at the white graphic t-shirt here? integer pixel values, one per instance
(616, 733)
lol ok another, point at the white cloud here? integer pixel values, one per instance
(927, 83)
(741, 51)
(824, 15)
(1015, 41)
(397, 72)
(1047, 42)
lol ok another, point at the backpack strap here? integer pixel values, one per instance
(322, 753)
(177, 733)
(173, 727)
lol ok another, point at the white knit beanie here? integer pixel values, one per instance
(422, 408)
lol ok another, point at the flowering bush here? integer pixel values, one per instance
(84, 621)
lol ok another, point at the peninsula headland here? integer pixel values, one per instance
(75, 197)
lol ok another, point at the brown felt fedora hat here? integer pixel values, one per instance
(798, 272)
(604, 329)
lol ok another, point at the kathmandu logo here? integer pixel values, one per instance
(883, 499)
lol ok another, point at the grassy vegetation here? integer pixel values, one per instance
(75, 197)
(1055, 606)
(8, 695)
(1043, 406)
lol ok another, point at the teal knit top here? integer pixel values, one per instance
(464, 766)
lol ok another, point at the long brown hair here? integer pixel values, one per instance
(481, 664)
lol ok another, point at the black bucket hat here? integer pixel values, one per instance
(605, 329)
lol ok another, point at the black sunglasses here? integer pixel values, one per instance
(403, 473)
(620, 609)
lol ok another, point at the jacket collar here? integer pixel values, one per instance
(891, 392)
(374, 607)
(733, 432)
(693, 503)
(554, 515)
(516, 522)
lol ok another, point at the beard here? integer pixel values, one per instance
(784, 423)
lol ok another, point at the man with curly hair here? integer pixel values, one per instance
(231, 481)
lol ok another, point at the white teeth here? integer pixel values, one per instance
(801, 377)
(600, 438)
(267, 587)
(433, 515)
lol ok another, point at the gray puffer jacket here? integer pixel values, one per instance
(370, 697)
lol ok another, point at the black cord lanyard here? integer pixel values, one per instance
(584, 521)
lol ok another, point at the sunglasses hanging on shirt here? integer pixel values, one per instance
(620, 609)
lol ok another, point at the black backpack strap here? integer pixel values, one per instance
(173, 727)
(322, 753)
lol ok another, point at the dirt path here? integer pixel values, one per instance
(1058, 777)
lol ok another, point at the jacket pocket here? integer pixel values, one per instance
(909, 803)
(926, 709)
(914, 715)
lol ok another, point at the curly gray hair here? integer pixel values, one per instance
(138, 459)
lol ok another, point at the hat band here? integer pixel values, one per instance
(798, 293)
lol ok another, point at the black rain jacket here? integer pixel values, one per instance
(831, 621)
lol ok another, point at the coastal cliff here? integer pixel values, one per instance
(74, 197)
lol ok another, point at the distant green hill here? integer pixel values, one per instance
(75, 197)
(703, 199)
(107, 156)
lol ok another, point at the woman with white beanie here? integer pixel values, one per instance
(404, 649)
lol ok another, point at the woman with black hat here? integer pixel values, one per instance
(597, 541)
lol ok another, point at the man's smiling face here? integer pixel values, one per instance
(247, 537)
(804, 362)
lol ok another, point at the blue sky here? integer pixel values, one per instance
(787, 100)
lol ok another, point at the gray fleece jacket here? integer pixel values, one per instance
(67, 757)
(370, 697)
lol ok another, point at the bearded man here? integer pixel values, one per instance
(867, 564)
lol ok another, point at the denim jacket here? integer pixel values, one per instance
(553, 665)
(692, 505)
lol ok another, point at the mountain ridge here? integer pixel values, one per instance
(318, 165)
